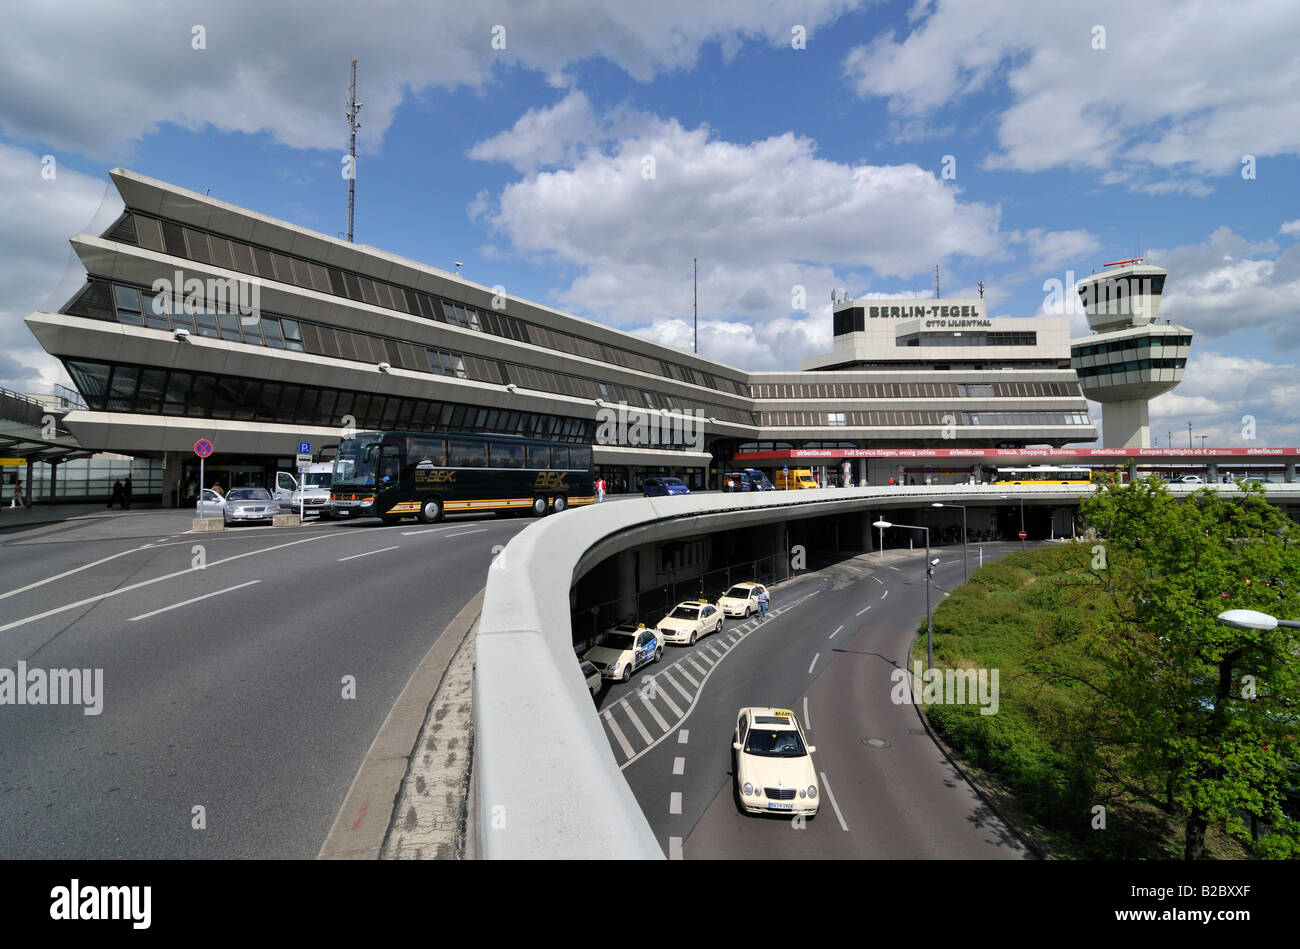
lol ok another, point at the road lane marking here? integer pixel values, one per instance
(463, 533)
(168, 576)
(715, 653)
(194, 600)
(813, 663)
(676, 685)
(654, 712)
(885, 594)
(877, 579)
(703, 655)
(618, 735)
(831, 794)
(686, 675)
(636, 723)
(837, 629)
(675, 803)
(683, 736)
(68, 573)
(663, 694)
(892, 567)
(367, 553)
(431, 530)
(807, 719)
(731, 640)
(679, 766)
(674, 848)
(863, 610)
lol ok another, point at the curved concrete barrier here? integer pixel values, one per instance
(548, 783)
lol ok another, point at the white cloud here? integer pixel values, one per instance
(1290, 227)
(1051, 249)
(94, 78)
(1218, 391)
(775, 344)
(38, 269)
(1167, 100)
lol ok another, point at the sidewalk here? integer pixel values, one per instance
(19, 517)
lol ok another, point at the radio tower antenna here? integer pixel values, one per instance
(353, 108)
(936, 281)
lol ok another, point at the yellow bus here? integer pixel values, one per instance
(1042, 474)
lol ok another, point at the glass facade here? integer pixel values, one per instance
(91, 479)
(915, 417)
(914, 390)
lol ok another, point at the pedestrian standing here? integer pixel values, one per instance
(762, 603)
(126, 494)
(116, 497)
(600, 490)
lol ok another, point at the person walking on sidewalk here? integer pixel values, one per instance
(762, 603)
(19, 498)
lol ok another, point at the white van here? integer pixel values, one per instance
(313, 491)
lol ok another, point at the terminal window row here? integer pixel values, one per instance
(206, 247)
(118, 387)
(961, 338)
(1134, 365)
(141, 307)
(1132, 343)
(914, 390)
(882, 419)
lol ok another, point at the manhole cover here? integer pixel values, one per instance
(877, 743)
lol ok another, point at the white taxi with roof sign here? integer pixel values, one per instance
(689, 620)
(774, 767)
(741, 599)
(625, 648)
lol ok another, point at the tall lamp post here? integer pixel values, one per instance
(965, 568)
(1007, 497)
(929, 572)
(1253, 619)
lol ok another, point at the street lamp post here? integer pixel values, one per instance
(965, 561)
(929, 572)
(1253, 619)
(1007, 497)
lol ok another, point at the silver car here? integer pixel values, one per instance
(240, 504)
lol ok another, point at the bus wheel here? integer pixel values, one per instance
(431, 511)
(559, 503)
(539, 506)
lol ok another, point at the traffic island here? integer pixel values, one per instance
(208, 524)
(286, 520)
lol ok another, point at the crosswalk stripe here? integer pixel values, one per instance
(619, 736)
(673, 682)
(637, 723)
(663, 694)
(698, 668)
(705, 656)
(687, 676)
(654, 712)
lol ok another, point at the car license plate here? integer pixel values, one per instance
(779, 806)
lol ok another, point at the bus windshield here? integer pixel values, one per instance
(355, 461)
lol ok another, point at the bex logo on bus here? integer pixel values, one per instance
(436, 477)
(550, 480)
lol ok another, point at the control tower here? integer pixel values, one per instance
(1130, 358)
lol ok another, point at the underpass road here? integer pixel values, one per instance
(234, 703)
(896, 794)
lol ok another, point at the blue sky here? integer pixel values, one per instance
(779, 167)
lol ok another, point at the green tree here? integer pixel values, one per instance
(1204, 712)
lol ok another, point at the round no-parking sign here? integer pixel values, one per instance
(203, 448)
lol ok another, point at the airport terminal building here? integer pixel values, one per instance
(199, 319)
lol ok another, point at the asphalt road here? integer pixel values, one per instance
(827, 652)
(233, 703)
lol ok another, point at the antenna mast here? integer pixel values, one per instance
(936, 281)
(353, 108)
(695, 293)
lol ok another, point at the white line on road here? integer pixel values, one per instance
(831, 794)
(705, 657)
(668, 700)
(618, 735)
(68, 573)
(674, 848)
(813, 663)
(194, 600)
(430, 530)
(676, 685)
(167, 576)
(679, 766)
(837, 629)
(367, 553)
(686, 675)
(654, 712)
(683, 736)
(807, 719)
(885, 594)
(675, 803)
(863, 610)
(636, 723)
(892, 567)
(877, 579)
(463, 533)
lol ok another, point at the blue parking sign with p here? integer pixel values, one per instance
(304, 448)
